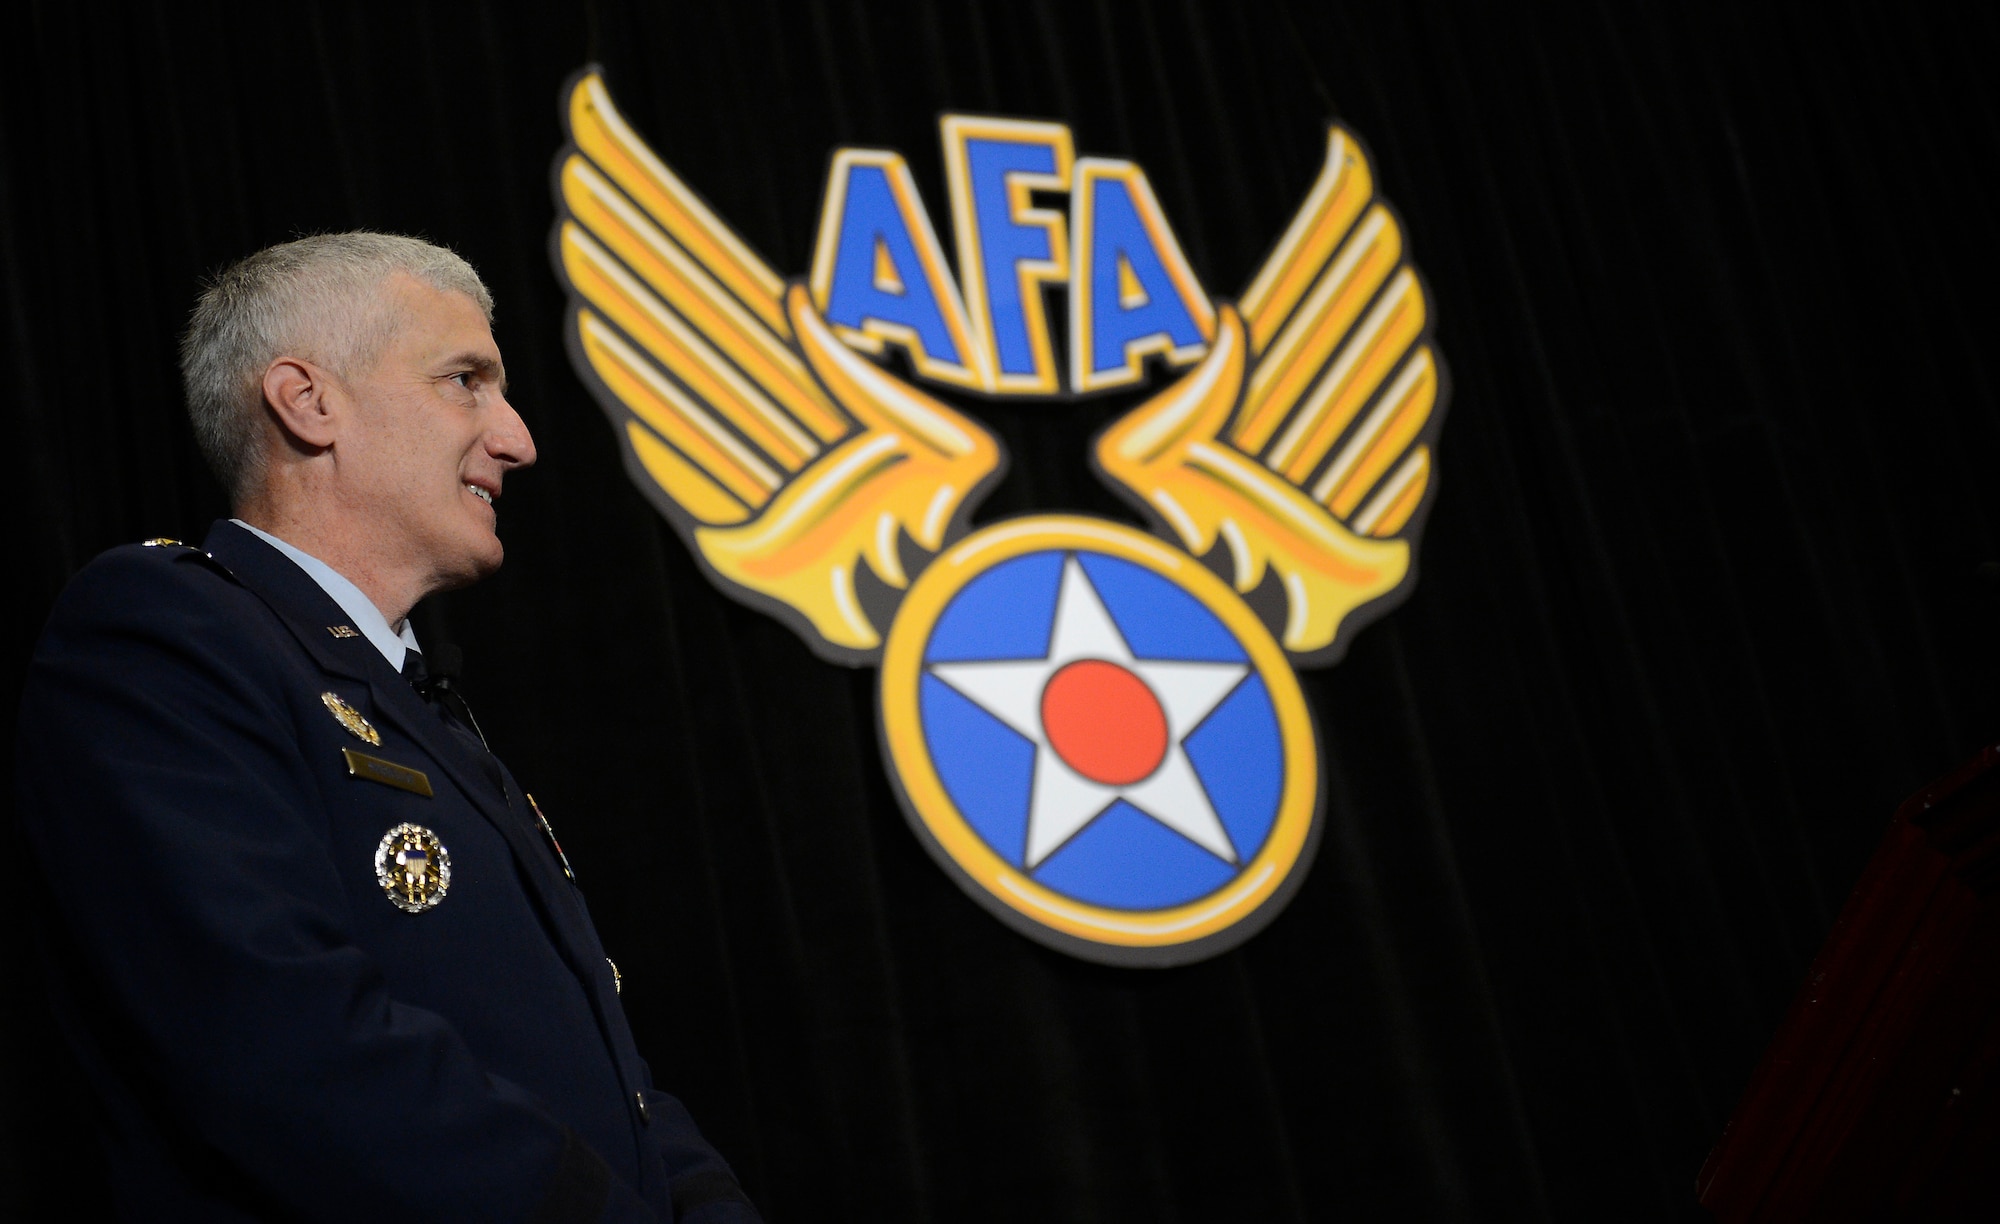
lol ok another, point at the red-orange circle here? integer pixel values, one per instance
(1104, 722)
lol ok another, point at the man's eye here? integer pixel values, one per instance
(463, 378)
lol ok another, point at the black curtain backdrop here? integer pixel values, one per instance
(1696, 605)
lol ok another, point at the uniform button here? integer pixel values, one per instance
(640, 1098)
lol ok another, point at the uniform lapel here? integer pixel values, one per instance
(309, 613)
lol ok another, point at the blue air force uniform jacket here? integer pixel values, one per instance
(271, 1037)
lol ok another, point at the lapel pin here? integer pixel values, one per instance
(549, 832)
(351, 718)
(343, 631)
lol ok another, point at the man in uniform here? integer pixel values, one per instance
(318, 954)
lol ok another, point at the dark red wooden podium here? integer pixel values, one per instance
(1880, 1096)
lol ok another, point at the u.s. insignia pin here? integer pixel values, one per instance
(413, 867)
(351, 718)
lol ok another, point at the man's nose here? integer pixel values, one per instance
(509, 440)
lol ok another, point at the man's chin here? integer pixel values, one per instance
(488, 562)
(475, 565)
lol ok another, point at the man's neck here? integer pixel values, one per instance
(392, 595)
(393, 641)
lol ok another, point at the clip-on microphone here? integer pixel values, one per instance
(444, 663)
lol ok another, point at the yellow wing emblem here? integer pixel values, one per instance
(786, 460)
(1303, 437)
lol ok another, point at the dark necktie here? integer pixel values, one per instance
(439, 687)
(441, 693)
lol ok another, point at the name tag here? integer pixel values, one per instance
(388, 773)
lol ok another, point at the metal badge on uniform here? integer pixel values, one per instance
(343, 631)
(351, 719)
(413, 867)
(388, 773)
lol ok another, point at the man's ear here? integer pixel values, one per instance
(295, 390)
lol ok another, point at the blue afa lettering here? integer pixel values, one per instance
(1008, 249)
(1132, 292)
(879, 275)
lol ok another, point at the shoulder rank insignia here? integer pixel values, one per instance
(162, 542)
(413, 868)
(351, 718)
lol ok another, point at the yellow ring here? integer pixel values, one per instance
(924, 793)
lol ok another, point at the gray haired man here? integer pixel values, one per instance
(316, 949)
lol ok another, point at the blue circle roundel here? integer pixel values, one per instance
(1100, 736)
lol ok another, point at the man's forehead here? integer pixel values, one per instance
(439, 321)
(420, 296)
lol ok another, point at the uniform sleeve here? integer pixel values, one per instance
(178, 830)
(705, 1190)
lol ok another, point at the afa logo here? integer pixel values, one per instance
(1090, 727)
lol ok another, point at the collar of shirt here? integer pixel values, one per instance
(359, 608)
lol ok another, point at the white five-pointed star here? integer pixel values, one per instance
(1063, 800)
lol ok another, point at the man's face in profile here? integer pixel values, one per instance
(436, 437)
